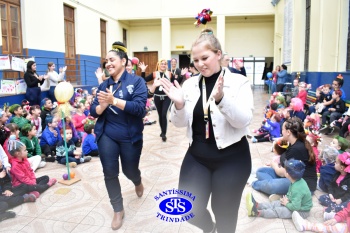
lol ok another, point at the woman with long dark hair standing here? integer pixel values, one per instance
(33, 81)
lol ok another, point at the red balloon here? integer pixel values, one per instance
(135, 61)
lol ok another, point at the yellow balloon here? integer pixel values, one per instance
(64, 92)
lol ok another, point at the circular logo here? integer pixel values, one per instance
(175, 206)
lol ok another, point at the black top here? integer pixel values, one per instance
(298, 151)
(150, 78)
(339, 106)
(31, 80)
(177, 72)
(202, 147)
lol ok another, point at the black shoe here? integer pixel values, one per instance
(161, 135)
(50, 159)
(164, 138)
(7, 215)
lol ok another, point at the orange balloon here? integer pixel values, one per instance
(72, 175)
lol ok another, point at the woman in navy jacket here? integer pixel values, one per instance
(120, 107)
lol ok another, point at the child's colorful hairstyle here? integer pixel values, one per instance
(281, 146)
(342, 142)
(295, 168)
(329, 154)
(26, 128)
(345, 161)
(339, 79)
(14, 108)
(67, 128)
(282, 100)
(338, 92)
(297, 104)
(14, 146)
(49, 119)
(12, 127)
(32, 108)
(43, 102)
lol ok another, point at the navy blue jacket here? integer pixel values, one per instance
(242, 71)
(122, 125)
(326, 176)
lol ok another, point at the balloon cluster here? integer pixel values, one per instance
(203, 17)
(135, 61)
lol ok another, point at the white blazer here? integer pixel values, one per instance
(230, 118)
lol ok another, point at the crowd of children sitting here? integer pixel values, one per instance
(31, 136)
(331, 163)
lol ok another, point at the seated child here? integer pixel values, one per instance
(296, 87)
(336, 110)
(79, 119)
(18, 119)
(302, 92)
(343, 124)
(46, 107)
(325, 96)
(279, 147)
(312, 122)
(339, 143)
(338, 194)
(21, 172)
(281, 102)
(32, 144)
(297, 107)
(49, 139)
(327, 170)
(69, 123)
(298, 197)
(272, 128)
(314, 138)
(10, 197)
(89, 145)
(35, 112)
(340, 223)
(13, 135)
(74, 157)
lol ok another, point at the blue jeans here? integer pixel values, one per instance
(70, 159)
(269, 182)
(129, 154)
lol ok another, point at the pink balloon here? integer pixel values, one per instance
(135, 61)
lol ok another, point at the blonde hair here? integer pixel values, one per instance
(158, 64)
(211, 42)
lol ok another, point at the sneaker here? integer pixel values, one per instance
(328, 216)
(254, 140)
(35, 193)
(251, 205)
(73, 164)
(274, 197)
(29, 198)
(51, 182)
(298, 221)
(42, 164)
(7, 215)
(87, 159)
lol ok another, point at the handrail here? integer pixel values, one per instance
(83, 71)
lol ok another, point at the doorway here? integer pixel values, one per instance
(184, 61)
(149, 58)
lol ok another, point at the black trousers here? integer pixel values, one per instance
(280, 87)
(162, 104)
(344, 128)
(48, 150)
(93, 153)
(224, 179)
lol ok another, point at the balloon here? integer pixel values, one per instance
(72, 175)
(65, 176)
(269, 75)
(188, 75)
(203, 17)
(64, 92)
(135, 61)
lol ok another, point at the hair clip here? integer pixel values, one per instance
(340, 76)
(119, 48)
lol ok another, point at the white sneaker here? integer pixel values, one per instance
(328, 216)
(251, 179)
(274, 197)
(298, 221)
(42, 164)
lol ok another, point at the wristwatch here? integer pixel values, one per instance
(115, 101)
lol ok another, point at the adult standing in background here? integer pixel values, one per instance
(281, 78)
(216, 107)
(120, 106)
(33, 81)
(177, 74)
(54, 78)
(161, 100)
(238, 65)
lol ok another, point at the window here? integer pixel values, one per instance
(103, 40)
(11, 27)
(125, 38)
(307, 35)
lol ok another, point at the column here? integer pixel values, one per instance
(166, 38)
(220, 25)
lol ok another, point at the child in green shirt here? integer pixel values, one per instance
(18, 119)
(298, 197)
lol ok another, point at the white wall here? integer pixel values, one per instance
(145, 36)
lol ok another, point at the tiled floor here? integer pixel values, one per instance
(85, 207)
